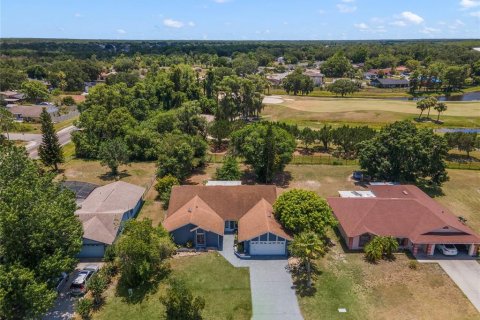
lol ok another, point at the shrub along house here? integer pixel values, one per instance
(102, 214)
(201, 215)
(403, 211)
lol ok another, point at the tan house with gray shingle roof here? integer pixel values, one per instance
(103, 212)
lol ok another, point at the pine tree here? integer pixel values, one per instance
(50, 151)
(269, 155)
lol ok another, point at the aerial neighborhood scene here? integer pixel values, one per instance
(239, 159)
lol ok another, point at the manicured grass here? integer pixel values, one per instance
(63, 124)
(462, 196)
(139, 173)
(226, 291)
(387, 290)
(315, 112)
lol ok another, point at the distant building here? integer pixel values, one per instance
(390, 83)
(12, 96)
(316, 76)
(277, 78)
(30, 113)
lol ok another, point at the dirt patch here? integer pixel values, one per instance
(273, 100)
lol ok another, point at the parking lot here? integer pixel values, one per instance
(65, 304)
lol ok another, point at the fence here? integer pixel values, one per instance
(331, 160)
(67, 116)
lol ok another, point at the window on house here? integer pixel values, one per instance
(364, 239)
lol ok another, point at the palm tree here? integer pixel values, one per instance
(431, 102)
(421, 104)
(440, 107)
(307, 246)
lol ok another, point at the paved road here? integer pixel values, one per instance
(273, 294)
(465, 273)
(34, 140)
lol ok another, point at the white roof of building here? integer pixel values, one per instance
(356, 194)
(223, 183)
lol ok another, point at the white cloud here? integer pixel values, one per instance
(173, 23)
(121, 31)
(343, 8)
(467, 4)
(77, 15)
(411, 17)
(221, 1)
(348, 1)
(475, 14)
(321, 11)
(361, 26)
(428, 30)
(191, 24)
(398, 23)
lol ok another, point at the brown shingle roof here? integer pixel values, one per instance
(196, 212)
(259, 220)
(210, 206)
(400, 211)
(229, 202)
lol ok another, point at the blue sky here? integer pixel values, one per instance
(240, 19)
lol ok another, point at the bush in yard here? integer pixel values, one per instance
(229, 171)
(413, 264)
(380, 246)
(141, 251)
(96, 285)
(181, 304)
(164, 188)
(84, 308)
(301, 210)
(68, 101)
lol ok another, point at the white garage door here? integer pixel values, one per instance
(259, 248)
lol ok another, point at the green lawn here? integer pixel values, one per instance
(315, 112)
(387, 290)
(226, 291)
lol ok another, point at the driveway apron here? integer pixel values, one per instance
(273, 295)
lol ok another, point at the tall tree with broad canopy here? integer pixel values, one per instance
(141, 250)
(307, 246)
(266, 147)
(113, 153)
(39, 235)
(302, 210)
(35, 91)
(50, 151)
(343, 87)
(401, 152)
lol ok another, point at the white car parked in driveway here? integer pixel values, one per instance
(448, 249)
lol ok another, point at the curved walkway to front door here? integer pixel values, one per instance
(273, 295)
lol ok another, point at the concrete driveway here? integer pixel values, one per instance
(64, 306)
(465, 273)
(273, 294)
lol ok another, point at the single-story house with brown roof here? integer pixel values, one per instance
(103, 212)
(402, 211)
(202, 215)
(30, 113)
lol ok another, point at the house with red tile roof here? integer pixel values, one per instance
(403, 211)
(202, 215)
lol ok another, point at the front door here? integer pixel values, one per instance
(200, 239)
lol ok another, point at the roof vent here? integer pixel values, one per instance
(405, 192)
(189, 209)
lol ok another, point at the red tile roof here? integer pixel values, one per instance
(402, 211)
